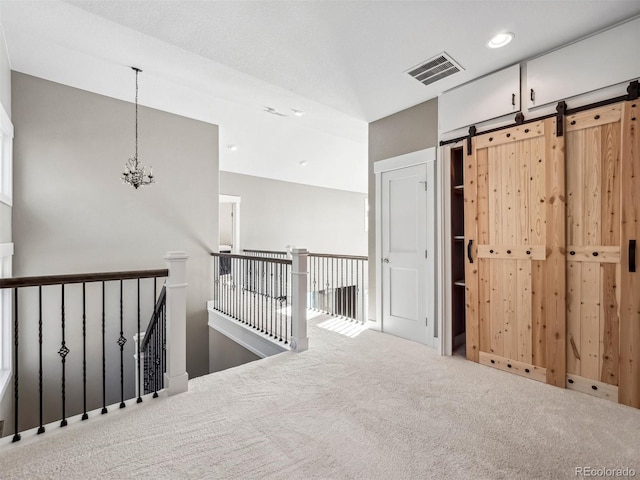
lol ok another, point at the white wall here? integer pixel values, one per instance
(72, 214)
(275, 214)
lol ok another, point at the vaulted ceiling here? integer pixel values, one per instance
(342, 63)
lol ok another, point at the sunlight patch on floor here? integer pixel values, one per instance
(348, 328)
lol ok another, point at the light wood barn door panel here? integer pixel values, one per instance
(594, 180)
(629, 372)
(514, 222)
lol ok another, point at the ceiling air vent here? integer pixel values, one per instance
(434, 69)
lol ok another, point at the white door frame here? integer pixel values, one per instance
(444, 238)
(379, 167)
(235, 225)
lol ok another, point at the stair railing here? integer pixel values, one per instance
(72, 318)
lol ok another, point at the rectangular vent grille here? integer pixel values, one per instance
(435, 69)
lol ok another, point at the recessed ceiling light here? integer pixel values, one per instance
(297, 113)
(303, 163)
(274, 111)
(500, 40)
(232, 147)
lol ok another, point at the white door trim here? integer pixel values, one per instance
(235, 209)
(403, 161)
(394, 163)
(444, 237)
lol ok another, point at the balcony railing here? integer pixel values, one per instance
(337, 284)
(95, 314)
(255, 291)
(265, 293)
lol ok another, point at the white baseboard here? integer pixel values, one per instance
(254, 341)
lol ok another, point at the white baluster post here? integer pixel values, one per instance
(176, 378)
(299, 339)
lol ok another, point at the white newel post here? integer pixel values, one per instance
(176, 378)
(299, 338)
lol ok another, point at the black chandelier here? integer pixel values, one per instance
(135, 174)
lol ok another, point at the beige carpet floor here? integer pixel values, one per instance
(369, 407)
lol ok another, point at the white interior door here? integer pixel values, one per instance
(405, 294)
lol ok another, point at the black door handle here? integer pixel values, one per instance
(469, 251)
(632, 255)
(513, 99)
(533, 95)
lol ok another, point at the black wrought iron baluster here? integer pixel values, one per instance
(286, 305)
(254, 283)
(41, 428)
(355, 310)
(63, 352)
(315, 283)
(121, 342)
(243, 284)
(341, 307)
(236, 296)
(219, 283)
(272, 299)
(336, 289)
(164, 344)
(349, 301)
(280, 301)
(325, 267)
(16, 369)
(104, 362)
(147, 375)
(263, 277)
(85, 415)
(234, 312)
(154, 357)
(139, 341)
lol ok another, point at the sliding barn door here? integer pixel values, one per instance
(603, 197)
(515, 239)
(629, 373)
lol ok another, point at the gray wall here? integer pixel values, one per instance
(410, 130)
(275, 214)
(72, 214)
(6, 401)
(225, 353)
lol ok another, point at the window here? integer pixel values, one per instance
(6, 158)
(6, 249)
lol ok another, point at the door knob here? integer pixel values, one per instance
(385, 260)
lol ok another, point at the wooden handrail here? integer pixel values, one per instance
(331, 255)
(80, 278)
(311, 254)
(264, 251)
(286, 261)
(154, 317)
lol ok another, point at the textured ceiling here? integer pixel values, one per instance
(351, 55)
(341, 62)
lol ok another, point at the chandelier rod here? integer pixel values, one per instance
(137, 70)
